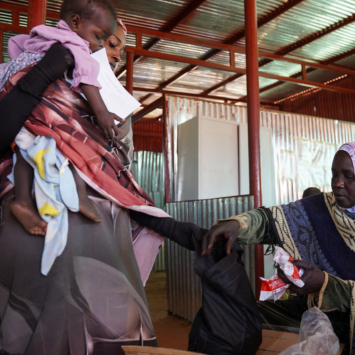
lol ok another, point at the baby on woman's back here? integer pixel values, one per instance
(83, 29)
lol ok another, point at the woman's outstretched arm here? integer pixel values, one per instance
(250, 227)
(179, 232)
(18, 104)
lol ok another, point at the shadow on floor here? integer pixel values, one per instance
(171, 331)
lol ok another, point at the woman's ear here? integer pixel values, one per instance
(75, 22)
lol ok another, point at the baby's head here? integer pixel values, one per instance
(92, 20)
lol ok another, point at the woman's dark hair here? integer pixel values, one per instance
(84, 8)
(311, 191)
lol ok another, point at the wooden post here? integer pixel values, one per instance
(129, 72)
(166, 150)
(37, 11)
(253, 108)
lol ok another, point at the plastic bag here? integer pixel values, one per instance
(316, 336)
(228, 323)
(275, 287)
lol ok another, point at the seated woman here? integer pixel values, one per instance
(92, 301)
(318, 232)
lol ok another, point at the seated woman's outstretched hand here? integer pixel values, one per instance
(228, 230)
(313, 278)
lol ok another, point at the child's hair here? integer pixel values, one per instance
(84, 8)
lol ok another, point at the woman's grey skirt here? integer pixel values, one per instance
(91, 302)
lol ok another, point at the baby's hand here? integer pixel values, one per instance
(106, 122)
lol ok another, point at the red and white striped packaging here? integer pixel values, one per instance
(275, 287)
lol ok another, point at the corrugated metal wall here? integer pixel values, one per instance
(147, 169)
(183, 285)
(148, 136)
(286, 130)
(323, 103)
(184, 291)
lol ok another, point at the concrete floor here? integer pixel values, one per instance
(171, 331)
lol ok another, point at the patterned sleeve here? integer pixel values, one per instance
(335, 295)
(254, 227)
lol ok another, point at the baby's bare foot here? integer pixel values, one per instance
(87, 208)
(28, 216)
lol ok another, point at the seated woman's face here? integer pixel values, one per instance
(115, 46)
(343, 179)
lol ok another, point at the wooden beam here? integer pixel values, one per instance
(328, 62)
(151, 107)
(302, 42)
(224, 99)
(148, 134)
(145, 97)
(235, 38)
(170, 26)
(228, 68)
(24, 9)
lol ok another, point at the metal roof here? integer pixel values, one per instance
(313, 30)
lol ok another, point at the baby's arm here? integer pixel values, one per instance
(105, 119)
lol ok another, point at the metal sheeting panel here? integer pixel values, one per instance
(206, 22)
(325, 103)
(179, 48)
(17, 2)
(239, 86)
(302, 20)
(348, 61)
(339, 41)
(7, 36)
(219, 20)
(183, 285)
(150, 72)
(153, 14)
(201, 78)
(148, 136)
(6, 17)
(147, 169)
(54, 5)
(280, 67)
(223, 58)
(286, 129)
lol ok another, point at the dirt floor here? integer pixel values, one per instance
(171, 331)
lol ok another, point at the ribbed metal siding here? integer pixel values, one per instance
(147, 169)
(286, 129)
(325, 103)
(183, 285)
(148, 136)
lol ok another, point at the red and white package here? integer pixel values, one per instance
(275, 286)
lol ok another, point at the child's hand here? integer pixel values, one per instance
(106, 122)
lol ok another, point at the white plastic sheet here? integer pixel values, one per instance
(314, 163)
(316, 336)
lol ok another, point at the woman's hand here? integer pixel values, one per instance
(228, 230)
(313, 278)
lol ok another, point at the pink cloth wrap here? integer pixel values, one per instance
(42, 37)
